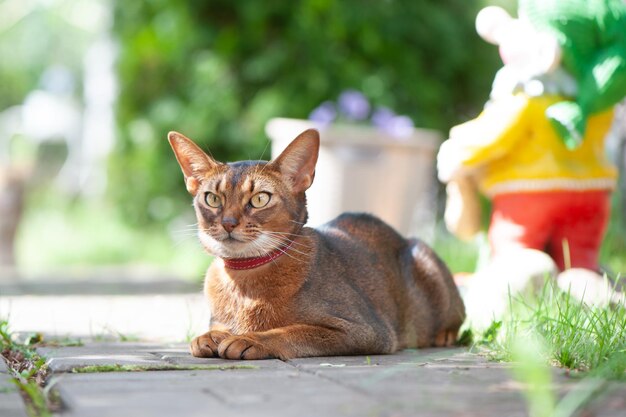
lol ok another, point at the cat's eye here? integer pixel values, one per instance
(212, 200)
(260, 200)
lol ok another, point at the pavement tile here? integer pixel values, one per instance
(409, 356)
(64, 359)
(148, 356)
(427, 382)
(250, 392)
(11, 403)
(423, 382)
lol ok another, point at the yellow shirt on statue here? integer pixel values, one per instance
(511, 147)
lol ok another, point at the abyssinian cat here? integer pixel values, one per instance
(278, 289)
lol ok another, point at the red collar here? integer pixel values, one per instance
(250, 263)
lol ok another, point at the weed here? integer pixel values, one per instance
(553, 328)
(144, 368)
(28, 369)
(579, 337)
(122, 337)
(64, 342)
(532, 370)
(6, 390)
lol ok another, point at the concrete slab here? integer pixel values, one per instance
(11, 403)
(262, 392)
(428, 382)
(423, 382)
(143, 356)
(413, 357)
(66, 359)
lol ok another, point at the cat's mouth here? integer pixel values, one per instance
(229, 245)
(232, 237)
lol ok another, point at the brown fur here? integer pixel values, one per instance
(353, 286)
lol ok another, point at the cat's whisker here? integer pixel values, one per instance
(285, 238)
(261, 250)
(178, 237)
(266, 164)
(185, 233)
(301, 246)
(194, 229)
(264, 149)
(277, 242)
(284, 233)
(277, 238)
(263, 166)
(182, 239)
(285, 252)
(187, 226)
(279, 245)
(292, 238)
(294, 246)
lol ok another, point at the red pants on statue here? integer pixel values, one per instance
(568, 225)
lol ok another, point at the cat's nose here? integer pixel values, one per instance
(229, 223)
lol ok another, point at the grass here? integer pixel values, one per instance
(143, 368)
(578, 337)
(58, 234)
(612, 252)
(111, 334)
(29, 371)
(553, 329)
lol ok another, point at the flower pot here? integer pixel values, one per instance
(361, 169)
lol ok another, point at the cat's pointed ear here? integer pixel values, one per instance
(194, 162)
(297, 161)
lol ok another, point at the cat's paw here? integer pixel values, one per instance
(445, 338)
(205, 346)
(244, 347)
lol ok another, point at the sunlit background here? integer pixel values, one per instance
(90, 88)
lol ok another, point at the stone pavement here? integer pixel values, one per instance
(160, 378)
(144, 379)
(11, 404)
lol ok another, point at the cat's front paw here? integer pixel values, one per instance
(205, 346)
(244, 347)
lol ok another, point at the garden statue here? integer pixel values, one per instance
(537, 149)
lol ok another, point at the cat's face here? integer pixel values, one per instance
(250, 208)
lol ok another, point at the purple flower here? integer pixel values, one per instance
(387, 121)
(400, 127)
(354, 105)
(324, 114)
(382, 117)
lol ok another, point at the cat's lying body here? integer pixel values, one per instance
(278, 289)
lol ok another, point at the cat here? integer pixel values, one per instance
(278, 289)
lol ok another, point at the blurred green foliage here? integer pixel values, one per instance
(218, 70)
(36, 35)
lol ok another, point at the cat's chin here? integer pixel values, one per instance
(228, 248)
